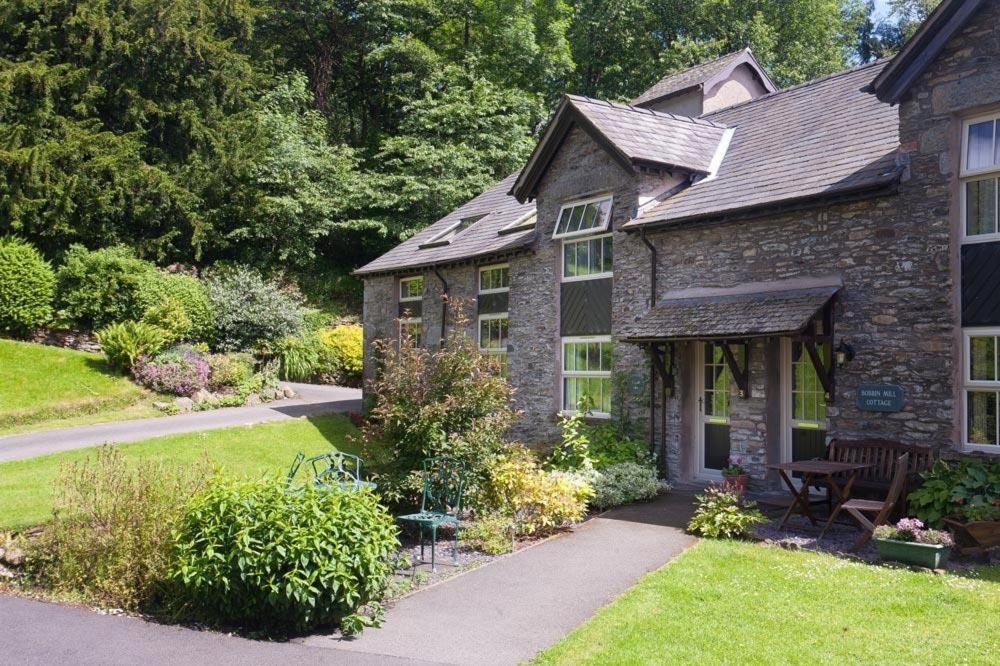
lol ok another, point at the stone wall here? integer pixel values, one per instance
(895, 310)
(963, 81)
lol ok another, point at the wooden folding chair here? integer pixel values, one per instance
(857, 508)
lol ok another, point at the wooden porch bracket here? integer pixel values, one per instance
(824, 367)
(740, 375)
(663, 360)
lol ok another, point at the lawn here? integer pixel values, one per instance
(42, 386)
(267, 448)
(735, 602)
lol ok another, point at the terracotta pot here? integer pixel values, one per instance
(737, 482)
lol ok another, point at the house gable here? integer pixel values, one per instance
(922, 49)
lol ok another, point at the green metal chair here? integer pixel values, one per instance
(441, 503)
(335, 470)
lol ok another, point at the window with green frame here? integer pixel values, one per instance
(586, 374)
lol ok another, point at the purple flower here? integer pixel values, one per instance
(180, 371)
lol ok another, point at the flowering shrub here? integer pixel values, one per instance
(625, 482)
(734, 466)
(229, 370)
(912, 530)
(180, 371)
(720, 516)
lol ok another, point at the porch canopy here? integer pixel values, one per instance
(749, 310)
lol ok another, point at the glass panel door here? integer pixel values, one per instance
(808, 406)
(713, 407)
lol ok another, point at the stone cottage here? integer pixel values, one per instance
(741, 269)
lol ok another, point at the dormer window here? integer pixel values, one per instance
(583, 218)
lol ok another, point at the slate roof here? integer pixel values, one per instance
(654, 137)
(749, 310)
(481, 239)
(819, 138)
(699, 75)
(633, 136)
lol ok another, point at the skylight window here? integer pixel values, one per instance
(449, 234)
(583, 217)
(522, 223)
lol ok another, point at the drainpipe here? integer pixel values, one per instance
(652, 356)
(444, 304)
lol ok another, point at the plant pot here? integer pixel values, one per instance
(984, 533)
(932, 556)
(737, 482)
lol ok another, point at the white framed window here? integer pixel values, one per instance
(981, 391)
(411, 289)
(493, 333)
(587, 259)
(586, 373)
(413, 328)
(494, 279)
(980, 179)
(581, 218)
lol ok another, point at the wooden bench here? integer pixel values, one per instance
(881, 454)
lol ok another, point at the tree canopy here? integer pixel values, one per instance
(311, 135)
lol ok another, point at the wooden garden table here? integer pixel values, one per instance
(811, 470)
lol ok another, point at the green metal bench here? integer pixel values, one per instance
(334, 470)
(441, 503)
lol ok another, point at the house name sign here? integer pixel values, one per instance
(881, 398)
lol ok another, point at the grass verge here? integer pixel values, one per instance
(26, 486)
(47, 387)
(735, 602)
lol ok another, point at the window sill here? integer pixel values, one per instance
(993, 449)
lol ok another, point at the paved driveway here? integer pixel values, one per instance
(312, 400)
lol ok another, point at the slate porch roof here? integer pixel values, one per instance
(703, 75)
(481, 239)
(820, 138)
(749, 310)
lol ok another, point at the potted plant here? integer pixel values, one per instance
(978, 523)
(909, 542)
(965, 496)
(734, 474)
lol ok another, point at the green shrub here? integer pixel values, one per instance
(110, 535)
(719, 514)
(156, 287)
(27, 284)
(298, 356)
(954, 488)
(427, 403)
(626, 482)
(342, 354)
(229, 370)
(598, 446)
(169, 316)
(95, 288)
(253, 554)
(249, 309)
(125, 342)
(491, 533)
(534, 500)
